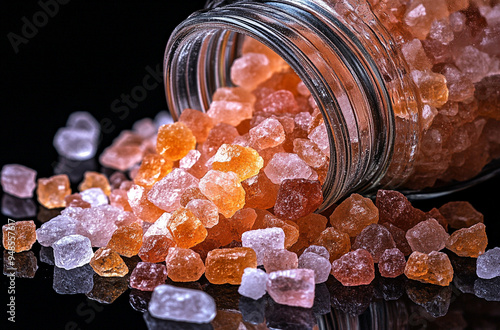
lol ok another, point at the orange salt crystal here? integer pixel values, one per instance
(244, 161)
(336, 242)
(184, 265)
(75, 200)
(204, 210)
(155, 248)
(468, 242)
(432, 268)
(52, 191)
(127, 240)
(290, 228)
(225, 190)
(432, 87)
(186, 229)
(95, 180)
(153, 168)
(241, 222)
(354, 214)
(119, 198)
(198, 122)
(260, 192)
(221, 233)
(310, 227)
(19, 236)
(107, 263)
(141, 206)
(191, 193)
(236, 94)
(227, 265)
(174, 141)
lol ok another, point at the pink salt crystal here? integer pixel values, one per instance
(279, 259)
(309, 152)
(297, 198)
(141, 206)
(287, 166)
(119, 198)
(198, 122)
(99, 222)
(18, 180)
(250, 70)
(415, 56)
(320, 265)
(293, 287)
(392, 263)
(302, 89)
(354, 268)
(126, 151)
(441, 31)
(319, 135)
(269, 133)
(190, 159)
(166, 193)
(427, 236)
(116, 179)
(319, 250)
(205, 210)
(420, 14)
(302, 120)
(144, 127)
(279, 102)
(236, 94)
(220, 134)
(230, 112)
(225, 190)
(375, 239)
(460, 88)
(473, 63)
(428, 114)
(146, 276)
(395, 208)
(457, 21)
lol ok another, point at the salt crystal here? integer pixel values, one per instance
(163, 118)
(433, 268)
(354, 214)
(460, 214)
(52, 191)
(141, 206)
(354, 268)
(319, 250)
(146, 276)
(375, 239)
(279, 260)
(84, 121)
(228, 265)
(287, 166)
(293, 287)
(107, 263)
(224, 190)
(172, 303)
(262, 240)
(253, 283)
(190, 159)
(184, 265)
(58, 228)
(336, 242)
(250, 70)
(468, 242)
(474, 63)
(229, 112)
(319, 135)
(488, 264)
(392, 263)
(145, 127)
(427, 236)
(244, 161)
(320, 265)
(19, 236)
(72, 251)
(269, 133)
(310, 153)
(297, 198)
(18, 180)
(99, 222)
(75, 144)
(94, 196)
(206, 211)
(166, 193)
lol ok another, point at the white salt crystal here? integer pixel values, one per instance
(94, 196)
(75, 144)
(262, 240)
(58, 228)
(288, 166)
(166, 193)
(18, 180)
(253, 283)
(488, 264)
(72, 251)
(320, 265)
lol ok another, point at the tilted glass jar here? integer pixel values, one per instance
(378, 105)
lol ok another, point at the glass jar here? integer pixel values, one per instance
(408, 90)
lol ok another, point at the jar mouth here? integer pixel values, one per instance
(346, 86)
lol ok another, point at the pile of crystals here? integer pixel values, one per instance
(452, 49)
(233, 191)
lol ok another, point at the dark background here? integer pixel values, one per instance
(89, 54)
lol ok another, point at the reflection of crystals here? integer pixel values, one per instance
(434, 299)
(322, 304)
(389, 288)
(107, 289)
(349, 299)
(252, 311)
(464, 273)
(18, 208)
(74, 168)
(73, 281)
(157, 324)
(488, 289)
(47, 255)
(22, 265)
(289, 317)
(139, 300)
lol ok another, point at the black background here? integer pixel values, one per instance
(83, 59)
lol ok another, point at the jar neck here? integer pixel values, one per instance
(342, 54)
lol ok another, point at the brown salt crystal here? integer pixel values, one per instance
(398, 235)
(259, 221)
(242, 221)
(95, 180)
(244, 161)
(228, 265)
(432, 268)
(108, 263)
(336, 242)
(184, 265)
(461, 214)
(260, 192)
(354, 268)
(221, 233)
(468, 242)
(395, 208)
(297, 198)
(186, 229)
(198, 122)
(225, 190)
(220, 134)
(435, 214)
(427, 236)
(280, 260)
(174, 141)
(375, 239)
(153, 168)
(127, 240)
(155, 248)
(392, 263)
(75, 200)
(290, 228)
(52, 191)
(354, 214)
(19, 236)
(141, 206)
